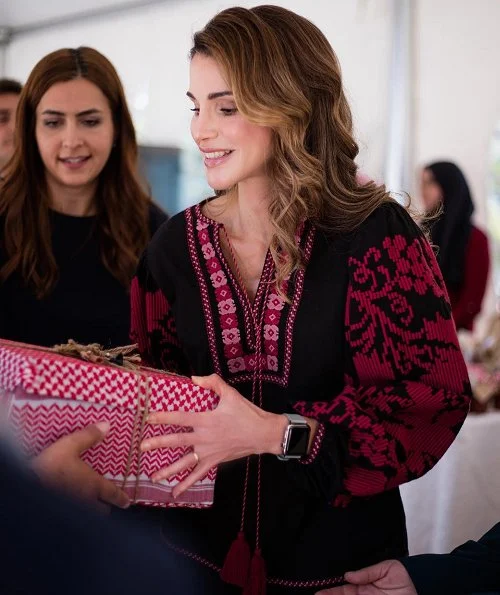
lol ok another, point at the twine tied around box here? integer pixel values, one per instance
(123, 357)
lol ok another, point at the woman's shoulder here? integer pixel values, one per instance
(178, 228)
(157, 216)
(391, 214)
(170, 232)
(387, 221)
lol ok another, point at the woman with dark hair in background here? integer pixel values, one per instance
(74, 217)
(463, 253)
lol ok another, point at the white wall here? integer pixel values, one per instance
(458, 86)
(150, 47)
(457, 102)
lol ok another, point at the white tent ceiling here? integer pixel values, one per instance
(25, 15)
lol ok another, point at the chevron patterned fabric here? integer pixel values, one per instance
(48, 395)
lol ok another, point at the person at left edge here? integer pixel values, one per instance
(10, 91)
(74, 216)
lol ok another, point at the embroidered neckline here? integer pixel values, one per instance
(228, 312)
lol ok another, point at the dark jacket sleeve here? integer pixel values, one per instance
(406, 390)
(473, 567)
(50, 545)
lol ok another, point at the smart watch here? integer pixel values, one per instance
(296, 438)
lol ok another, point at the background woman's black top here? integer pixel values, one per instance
(87, 304)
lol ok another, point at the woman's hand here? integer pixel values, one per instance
(60, 466)
(235, 429)
(385, 578)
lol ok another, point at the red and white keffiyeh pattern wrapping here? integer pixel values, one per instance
(48, 395)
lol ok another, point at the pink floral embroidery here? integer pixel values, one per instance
(236, 365)
(272, 363)
(270, 332)
(208, 250)
(275, 302)
(227, 307)
(218, 279)
(231, 336)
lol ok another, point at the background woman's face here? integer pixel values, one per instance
(431, 191)
(74, 133)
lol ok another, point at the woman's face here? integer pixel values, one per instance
(234, 150)
(432, 194)
(74, 132)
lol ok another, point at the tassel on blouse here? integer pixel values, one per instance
(237, 563)
(256, 584)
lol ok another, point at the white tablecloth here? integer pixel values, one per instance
(459, 499)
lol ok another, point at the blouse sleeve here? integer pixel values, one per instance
(153, 325)
(406, 390)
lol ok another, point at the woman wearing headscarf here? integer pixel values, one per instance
(462, 248)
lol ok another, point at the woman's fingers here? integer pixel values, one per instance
(173, 418)
(198, 472)
(167, 441)
(213, 382)
(111, 494)
(188, 461)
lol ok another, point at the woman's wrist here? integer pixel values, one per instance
(274, 431)
(313, 424)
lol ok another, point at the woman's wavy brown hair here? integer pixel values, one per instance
(284, 74)
(122, 205)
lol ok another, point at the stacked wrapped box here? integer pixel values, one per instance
(46, 395)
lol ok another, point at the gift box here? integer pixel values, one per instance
(47, 395)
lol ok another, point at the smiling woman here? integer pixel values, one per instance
(74, 141)
(74, 214)
(312, 305)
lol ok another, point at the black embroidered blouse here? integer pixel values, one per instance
(366, 345)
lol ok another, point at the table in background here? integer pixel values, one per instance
(459, 499)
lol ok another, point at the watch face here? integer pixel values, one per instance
(298, 441)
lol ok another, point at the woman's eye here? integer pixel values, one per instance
(195, 110)
(51, 123)
(228, 111)
(91, 122)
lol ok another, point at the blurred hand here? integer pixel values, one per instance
(61, 467)
(386, 578)
(235, 429)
